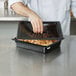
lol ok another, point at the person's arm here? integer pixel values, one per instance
(73, 7)
(23, 10)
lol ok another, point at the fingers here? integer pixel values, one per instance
(41, 27)
(34, 27)
(37, 26)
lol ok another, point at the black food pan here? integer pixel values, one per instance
(37, 48)
(52, 31)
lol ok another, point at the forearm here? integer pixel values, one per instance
(21, 9)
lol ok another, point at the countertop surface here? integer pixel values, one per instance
(21, 62)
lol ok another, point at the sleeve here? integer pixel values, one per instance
(73, 7)
(10, 2)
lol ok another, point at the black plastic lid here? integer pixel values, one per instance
(51, 30)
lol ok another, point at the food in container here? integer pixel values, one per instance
(39, 42)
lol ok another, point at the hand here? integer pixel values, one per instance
(36, 23)
(26, 12)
